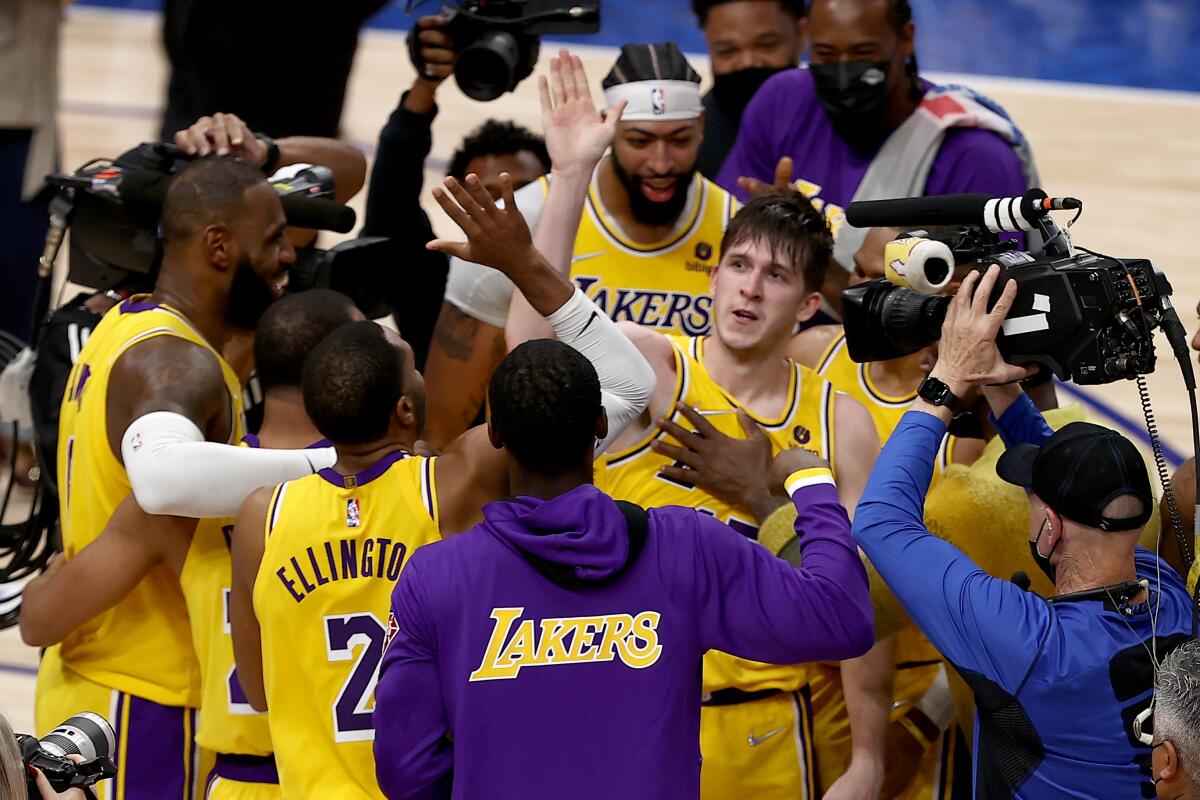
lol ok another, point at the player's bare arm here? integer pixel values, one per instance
(167, 373)
(72, 592)
(463, 354)
(856, 446)
(246, 548)
(807, 346)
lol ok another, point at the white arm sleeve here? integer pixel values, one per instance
(626, 378)
(484, 293)
(173, 470)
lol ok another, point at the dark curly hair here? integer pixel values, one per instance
(496, 138)
(352, 382)
(701, 7)
(795, 231)
(545, 402)
(290, 329)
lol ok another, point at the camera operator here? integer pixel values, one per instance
(748, 42)
(1056, 682)
(1176, 715)
(393, 199)
(12, 771)
(861, 125)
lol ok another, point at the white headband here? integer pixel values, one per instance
(654, 99)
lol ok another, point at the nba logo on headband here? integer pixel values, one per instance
(658, 103)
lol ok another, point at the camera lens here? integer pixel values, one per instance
(85, 734)
(885, 321)
(487, 68)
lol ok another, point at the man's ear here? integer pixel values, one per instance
(602, 424)
(406, 413)
(1170, 770)
(219, 247)
(809, 305)
(494, 435)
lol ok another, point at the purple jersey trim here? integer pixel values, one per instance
(132, 306)
(245, 769)
(366, 476)
(251, 440)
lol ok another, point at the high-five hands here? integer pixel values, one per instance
(967, 352)
(496, 237)
(576, 133)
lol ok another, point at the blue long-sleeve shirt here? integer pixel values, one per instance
(1056, 685)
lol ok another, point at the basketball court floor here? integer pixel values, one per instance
(1132, 156)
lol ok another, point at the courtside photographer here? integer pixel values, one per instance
(1057, 682)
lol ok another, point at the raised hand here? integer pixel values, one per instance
(224, 135)
(967, 352)
(783, 179)
(576, 133)
(496, 237)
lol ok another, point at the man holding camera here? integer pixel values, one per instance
(1057, 682)
(394, 208)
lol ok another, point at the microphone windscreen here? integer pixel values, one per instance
(319, 213)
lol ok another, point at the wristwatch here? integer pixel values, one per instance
(272, 163)
(934, 391)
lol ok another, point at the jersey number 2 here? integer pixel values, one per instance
(353, 715)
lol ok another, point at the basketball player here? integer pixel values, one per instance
(134, 543)
(315, 559)
(152, 406)
(773, 255)
(567, 669)
(645, 247)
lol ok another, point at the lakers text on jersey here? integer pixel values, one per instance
(663, 285)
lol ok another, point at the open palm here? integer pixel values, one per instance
(576, 133)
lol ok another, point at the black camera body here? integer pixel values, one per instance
(497, 40)
(114, 210)
(1085, 317)
(86, 735)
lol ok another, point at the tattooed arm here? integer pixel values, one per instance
(461, 359)
(170, 419)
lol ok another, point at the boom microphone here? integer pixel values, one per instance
(319, 213)
(997, 214)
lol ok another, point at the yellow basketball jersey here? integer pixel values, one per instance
(334, 548)
(143, 645)
(663, 285)
(854, 379)
(228, 724)
(633, 475)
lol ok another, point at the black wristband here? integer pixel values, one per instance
(272, 163)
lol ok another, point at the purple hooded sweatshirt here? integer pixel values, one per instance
(553, 651)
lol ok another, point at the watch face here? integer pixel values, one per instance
(935, 391)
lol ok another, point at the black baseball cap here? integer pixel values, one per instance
(1078, 471)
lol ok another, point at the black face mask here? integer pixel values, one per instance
(647, 211)
(1043, 561)
(734, 90)
(249, 297)
(855, 95)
